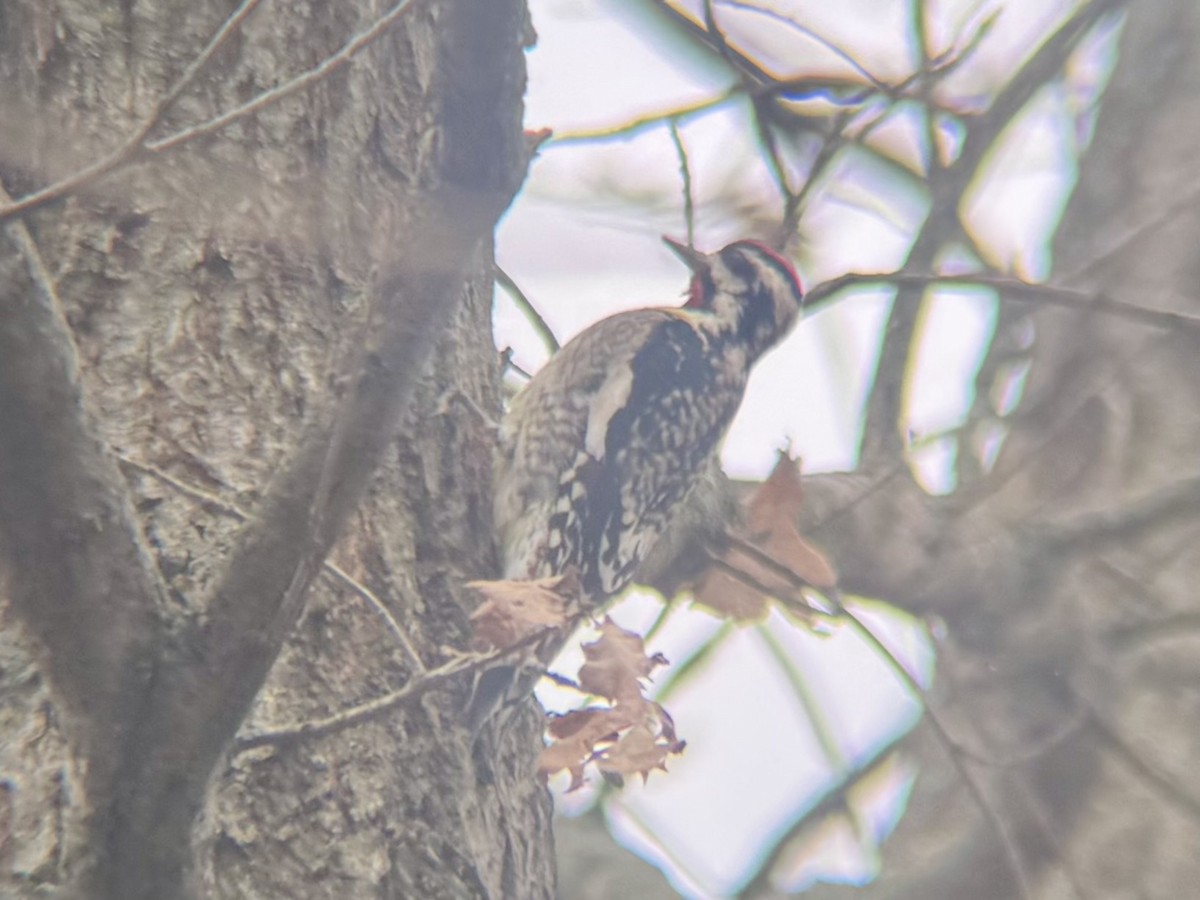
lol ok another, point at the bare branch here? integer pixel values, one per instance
(960, 755)
(775, 165)
(758, 85)
(80, 574)
(881, 439)
(651, 120)
(1051, 836)
(365, 712)
(416, 688)
(1087, 530)
(716, 38)
(834, 800)
(199, 700)
(685, 175)
(1184, 203)
(525, 305)
(381, 610)
(795, 601)
(834, 141)
(507, 364)
(1171, 790)
(844, 55)
(1013, 289)
(1007, 840)
(813, 711)
(338, 574)
(306, 79)
(134, 145)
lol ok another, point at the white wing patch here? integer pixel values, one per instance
(612, 397)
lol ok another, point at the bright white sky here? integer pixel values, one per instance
(582, 241)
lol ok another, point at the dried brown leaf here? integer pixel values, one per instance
(778, 499)
(514, 610)
(632, 738)
(790, 549)
(770, 514)
(578, 736)
(616, 663)
(642, 748)
(726, 595)
(638, 752)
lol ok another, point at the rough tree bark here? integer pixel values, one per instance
(217, 362)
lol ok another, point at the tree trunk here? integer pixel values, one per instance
(216, 361)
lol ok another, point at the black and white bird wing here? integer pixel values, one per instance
(639, 427)
(543, 439)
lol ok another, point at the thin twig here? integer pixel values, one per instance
(1120, 523)
(650, 120)
(133, 145)
(678, 673)
(833, 800)
(235, 512)
(763, 558)
(956, 753)
(1169, 789)
(920, 26)
(1184, 202)
(380, 609)
(525, 305)
(835, 140)
(760, 85)
(506, 363)
(685, 175)
(800, 688)
(209, 499)
(795, 601)
(717, 38)
(1052, 835)
(1014, 289)
(779, 174)
(844, 55)
(881, 437)
(418, 687)
(235, 20)
(306, 79)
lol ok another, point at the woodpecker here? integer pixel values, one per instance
(607, 440)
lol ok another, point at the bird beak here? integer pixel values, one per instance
(692, 258)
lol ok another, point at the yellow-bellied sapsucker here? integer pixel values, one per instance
(609, 437)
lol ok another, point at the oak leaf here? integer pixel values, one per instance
(634, 737)
(770, 516)
(579, 736)
(616, 662)
(515, 610)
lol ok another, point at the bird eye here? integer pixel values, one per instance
(741, 267)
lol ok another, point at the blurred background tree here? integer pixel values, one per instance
(999, 432)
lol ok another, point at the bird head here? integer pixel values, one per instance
(750, 290)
